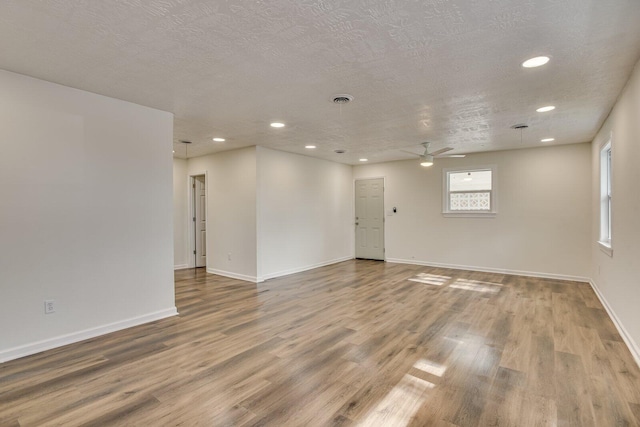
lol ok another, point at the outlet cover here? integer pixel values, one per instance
(49, 306)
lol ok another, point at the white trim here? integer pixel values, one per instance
(305, 268)
(631, 344)
(606, 248)
(180, 266)
(232, 275)
(492, 270)
(74, 337)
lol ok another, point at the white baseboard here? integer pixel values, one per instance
(491, 270)
(631, 344)
(232, 275)
(301, 269)
(48, 344)
(180, 266)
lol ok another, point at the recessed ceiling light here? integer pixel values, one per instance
(219, 139)
(535, 62)
(174, 151)
(364, 160)
(548, 140)
(277, 125)
(545, 109)
(310, 146)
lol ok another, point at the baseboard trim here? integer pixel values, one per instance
(51, 343)
(491, 270)
(180, 266)
(631, 344)
(231, 275)
(301, 269)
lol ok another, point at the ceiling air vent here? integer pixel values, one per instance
(343, 98)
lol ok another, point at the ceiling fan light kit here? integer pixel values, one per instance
(426, 160)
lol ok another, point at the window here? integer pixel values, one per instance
(605, 199)
(469, 192)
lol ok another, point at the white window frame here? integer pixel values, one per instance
(447, 212)
(606, 173)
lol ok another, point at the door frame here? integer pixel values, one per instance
(384, 214)
(192, 213)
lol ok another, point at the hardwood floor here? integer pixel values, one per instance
(355, 343)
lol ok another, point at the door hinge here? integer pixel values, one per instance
(194, 219)
(194, 251)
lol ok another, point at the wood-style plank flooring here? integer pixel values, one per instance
(355, 343)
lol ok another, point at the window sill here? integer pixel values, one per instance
(606, 248)
(469, 214)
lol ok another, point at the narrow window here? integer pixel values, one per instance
(605, 198)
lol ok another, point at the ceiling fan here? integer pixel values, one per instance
(426, 159)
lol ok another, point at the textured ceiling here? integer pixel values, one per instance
(447, 71)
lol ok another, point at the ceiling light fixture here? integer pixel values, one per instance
(219, 139)
(426, 160)
(548, 140)
(310, 146)
(545, 109)
(277, 125)
(364, 160)
(457, 155)
(535, 62)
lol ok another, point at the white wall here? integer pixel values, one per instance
(617, 277)
(542, 225)
(86, 215)
(180, 214)
(305, 217)
(231, 211)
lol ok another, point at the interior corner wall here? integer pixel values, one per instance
(616, 277)
(231, 211)
(305, 217)
(542, 225)
(180, 214)
(86, 216)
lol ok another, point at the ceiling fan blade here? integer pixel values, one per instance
(442, 150)
(410, 152)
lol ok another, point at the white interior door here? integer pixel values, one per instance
(370, 218)
(200, 220)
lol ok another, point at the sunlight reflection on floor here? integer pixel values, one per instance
(477, 286)
(430, 367)
(430, 279)
(405, 399)
(402, 402)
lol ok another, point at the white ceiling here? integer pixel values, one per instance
(446, 71)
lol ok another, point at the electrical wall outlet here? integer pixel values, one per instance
(229, 256)
(49, 306)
